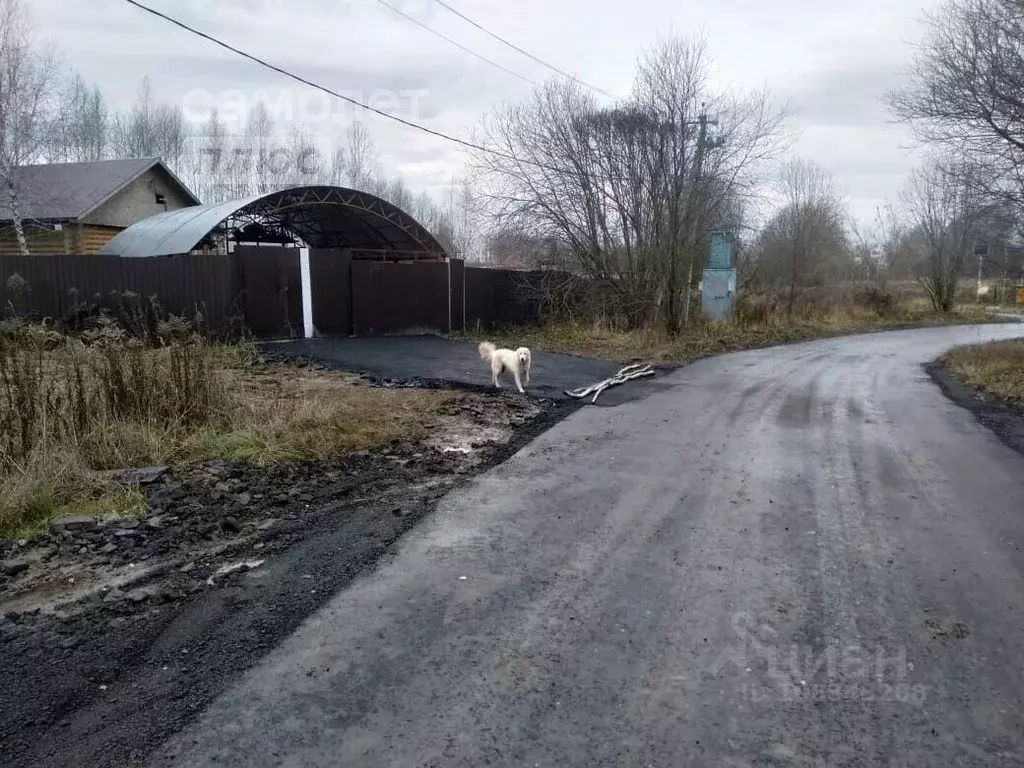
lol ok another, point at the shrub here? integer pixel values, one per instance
(60, 390)
(754, 310)
(875, 298)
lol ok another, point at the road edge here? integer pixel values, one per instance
(1003, 418)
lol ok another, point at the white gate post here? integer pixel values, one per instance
(307, 293)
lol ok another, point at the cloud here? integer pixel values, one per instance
(846, 97)
(831, 62)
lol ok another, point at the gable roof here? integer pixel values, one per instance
(66, 191)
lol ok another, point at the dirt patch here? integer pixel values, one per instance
(1003, 417)
(116, 633)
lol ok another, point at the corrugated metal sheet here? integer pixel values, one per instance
(324, 217)
(173, 232)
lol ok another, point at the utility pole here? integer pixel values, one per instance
(979, 278)
(698, 169)
(980, 251)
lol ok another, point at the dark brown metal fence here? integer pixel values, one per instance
(331, 274)
(457, 292)
(407, 296)
(271, 286)
(261, 288)
(185, 285)
(498, 298)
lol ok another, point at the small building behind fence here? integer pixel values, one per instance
(77, 208)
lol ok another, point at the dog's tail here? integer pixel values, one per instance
(486, 350)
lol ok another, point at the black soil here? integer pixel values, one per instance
(103, 681)
(1004, 418)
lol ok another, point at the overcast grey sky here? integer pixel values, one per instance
(830, 61)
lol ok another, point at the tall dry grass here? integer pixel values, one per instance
(759, 320)
(74, 405)
(71, 405)
(996, 368)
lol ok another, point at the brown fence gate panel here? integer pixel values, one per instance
(407, 296)
(498, 298)
(271, 279)
(330, 275)
(457, 293)
(57, 284)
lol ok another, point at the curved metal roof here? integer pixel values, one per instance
(323, 217)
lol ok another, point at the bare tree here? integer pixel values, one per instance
(302, 158)
(518, 250)
(28, 72)
(629, 191)
(150, 129)
(206, 166)
(465, 215)
(362, 162)
(79, 129)
(275, 160)
(805, 242)
(964, 90)
(943, 204)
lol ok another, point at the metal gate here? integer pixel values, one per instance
(271, 282)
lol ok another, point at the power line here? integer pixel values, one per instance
(457, 44)
(324, 89)
(515, 47)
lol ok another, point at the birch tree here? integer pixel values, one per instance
(80, 127)
(150, 128)
(29, 71)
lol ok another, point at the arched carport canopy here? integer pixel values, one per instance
(322, 217)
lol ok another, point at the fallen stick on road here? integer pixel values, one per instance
(630, 372)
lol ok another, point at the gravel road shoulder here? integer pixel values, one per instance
(1005, 419)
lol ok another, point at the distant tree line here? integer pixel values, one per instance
(50, 113)
(625, 193)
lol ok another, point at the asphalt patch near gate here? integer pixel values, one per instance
(435, 361)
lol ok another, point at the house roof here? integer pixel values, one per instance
(71, 191)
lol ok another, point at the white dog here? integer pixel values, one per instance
(517, 362)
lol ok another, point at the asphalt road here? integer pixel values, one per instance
(429, 358)
(802, 556)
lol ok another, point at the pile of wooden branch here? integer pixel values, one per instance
(630, 372)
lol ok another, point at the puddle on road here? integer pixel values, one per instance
(468, 438)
